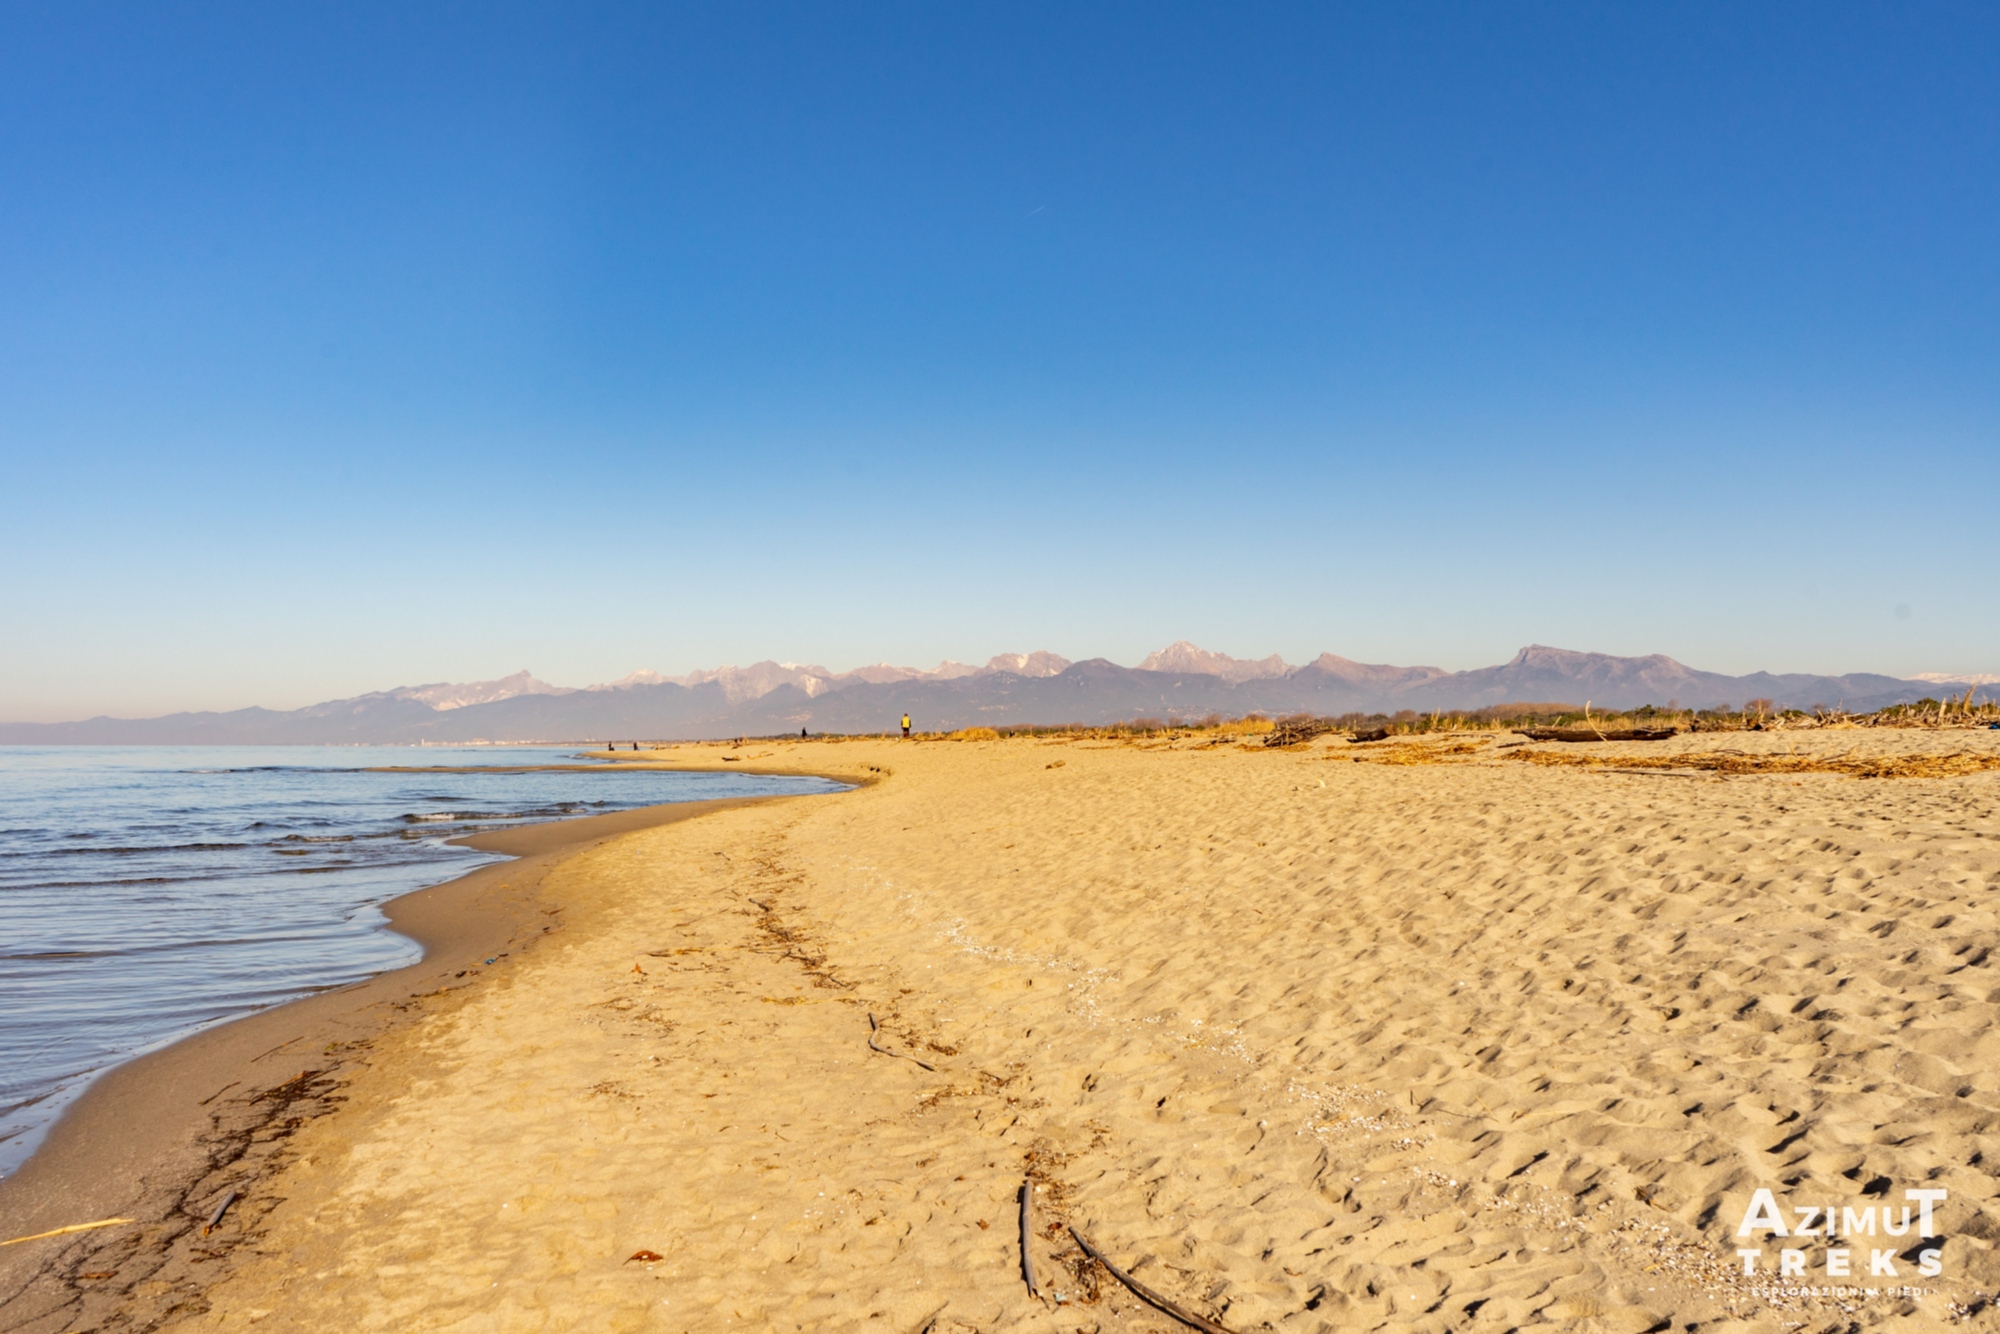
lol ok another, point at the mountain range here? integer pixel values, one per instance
(1180, 681)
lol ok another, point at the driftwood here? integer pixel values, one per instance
(1294, 732)
(221, 1211)
(1597, 734)
(1027, 1233)
(65, 1231)
(873, 1045)
(1379, 734)
(1146, 1294)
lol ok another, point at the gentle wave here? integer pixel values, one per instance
(147, 892)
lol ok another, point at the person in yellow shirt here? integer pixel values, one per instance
(906, 724)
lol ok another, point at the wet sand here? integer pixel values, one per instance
(164, 1137)
(1408, 1037)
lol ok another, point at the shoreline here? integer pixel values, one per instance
(1306, 1037)
(151, 1138)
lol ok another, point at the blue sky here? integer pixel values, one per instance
(351, 346)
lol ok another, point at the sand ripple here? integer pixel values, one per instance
(1308, 1043)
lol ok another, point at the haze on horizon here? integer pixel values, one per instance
(352, 347)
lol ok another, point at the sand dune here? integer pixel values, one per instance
(1309, 1041)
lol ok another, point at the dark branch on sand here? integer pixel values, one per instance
(1144, 1293)
(220, 1210)
(873, 1045)
(1027, 1234)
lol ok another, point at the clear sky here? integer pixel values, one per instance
(346, 346)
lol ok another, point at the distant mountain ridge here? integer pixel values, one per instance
(1183, 657)
(444, 695)
(1179, 681)
(761, 678)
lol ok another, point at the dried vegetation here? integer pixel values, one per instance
(1954, 765)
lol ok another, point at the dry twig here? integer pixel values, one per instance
(1027, 1232)
(220, 1210)
(1146, 1294)
(219, 1092)
(873, 1045)
(64, 1231)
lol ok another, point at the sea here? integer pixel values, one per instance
(148, 892)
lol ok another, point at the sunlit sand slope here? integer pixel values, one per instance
(1308, 1042)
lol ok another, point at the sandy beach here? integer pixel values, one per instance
(162, 1138)
(1412, 1036)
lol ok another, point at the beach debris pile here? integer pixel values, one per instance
(1574, 734)
(1297, 731)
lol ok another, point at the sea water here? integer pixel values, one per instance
(147, 892)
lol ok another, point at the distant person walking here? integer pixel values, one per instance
(906, 724)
